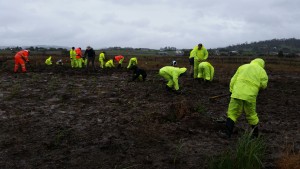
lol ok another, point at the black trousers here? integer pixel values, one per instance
(91, 59)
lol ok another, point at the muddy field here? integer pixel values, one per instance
(56, 117)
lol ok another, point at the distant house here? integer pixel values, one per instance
(179, 53)
(233, 53)
(162, 53)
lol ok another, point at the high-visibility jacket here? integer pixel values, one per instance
(101, 56)
(109, 64)
(199, 54)
(171, 74)
(48, 61)
(20, 58)
(72, 54)
(191, 54)
(78, 53)
(248, 80)
(206, 71)
(132, 61)
(23, 54)
(119, 59)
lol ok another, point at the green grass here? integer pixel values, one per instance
(248, 154)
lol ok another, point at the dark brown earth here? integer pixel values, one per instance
(56, 117)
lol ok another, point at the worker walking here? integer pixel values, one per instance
(244, 86)
(119, 59)
(78, 57)
(73, 57)
(48, 61)
(200, 54)
(205, 71)
(132, 62)
(171, 74)
(109, 64)
(101, 59)
(20, 58)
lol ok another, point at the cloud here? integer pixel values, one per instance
(144, 23)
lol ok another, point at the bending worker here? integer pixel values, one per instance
(132, 62)
(244, 86)
(48, 61)
(205, 71)
(20, 58)
(200, 54)
(120, 60)
(171, 74)
(138, 73)
(109, 64)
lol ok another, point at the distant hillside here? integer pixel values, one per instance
(288, 47)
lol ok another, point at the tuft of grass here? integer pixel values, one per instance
(248, 154)
(200, 109)
(178, 150)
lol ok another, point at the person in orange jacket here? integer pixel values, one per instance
(78, 57)
(120, 60)
(20, 58)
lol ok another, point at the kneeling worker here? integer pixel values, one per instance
(138, 73)
(109, 64)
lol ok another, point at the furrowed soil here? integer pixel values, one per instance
(58, 117)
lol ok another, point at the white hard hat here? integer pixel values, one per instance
(174, 63)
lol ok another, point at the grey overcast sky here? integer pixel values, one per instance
(146, 23)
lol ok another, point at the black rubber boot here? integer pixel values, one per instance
(254, 131)
(168, 88)
(229, 127)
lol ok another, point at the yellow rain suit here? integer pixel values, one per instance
(48, 61)
(171, 74)
(244, 86)
(73, 58)
(109, 64)
(101, 59)
(206, 71)
(199, 55)
(132, 62)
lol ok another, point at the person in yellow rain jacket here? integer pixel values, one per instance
(101, 59)
(200, 54)
(73, 57)
(171, 74)
(48, 61)
(244, 86)
(132, 62)
(205, 71)
(109, 64)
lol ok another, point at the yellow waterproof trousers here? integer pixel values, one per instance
(237, 107)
